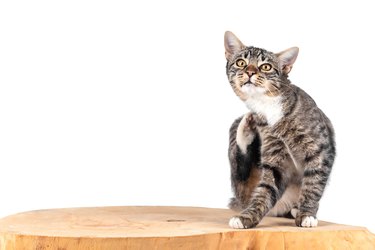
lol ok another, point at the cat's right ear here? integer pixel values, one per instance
(232, 44)
(287, 59)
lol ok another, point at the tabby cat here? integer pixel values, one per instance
(281, 152)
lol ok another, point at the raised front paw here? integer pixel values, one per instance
(249, 125)
(305, 220)
(246, 132)
(242, 222)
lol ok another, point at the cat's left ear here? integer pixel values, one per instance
(287, 59)
(232, 45)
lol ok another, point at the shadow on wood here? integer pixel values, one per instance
(167, 228)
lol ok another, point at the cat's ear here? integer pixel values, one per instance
(287, 58)
(232, 44)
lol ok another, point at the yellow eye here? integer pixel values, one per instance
(241, 63)
(265, 67)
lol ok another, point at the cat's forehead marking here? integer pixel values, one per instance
(257, 54)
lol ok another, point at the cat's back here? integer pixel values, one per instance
(305, 103)
(304, 107)
(302, 114)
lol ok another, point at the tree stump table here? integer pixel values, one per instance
(167, 228)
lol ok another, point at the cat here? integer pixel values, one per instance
(281, 153)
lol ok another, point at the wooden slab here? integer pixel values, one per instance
(167, 228)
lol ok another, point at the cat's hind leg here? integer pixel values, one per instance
(286, 206)
(294, 212)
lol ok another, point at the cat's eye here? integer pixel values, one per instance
(265, 67)
(241, 63)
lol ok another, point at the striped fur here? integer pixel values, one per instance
(290, 142)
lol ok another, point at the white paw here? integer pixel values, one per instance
(236, 223)
(245, 135)
(294, 212)
(309, 221)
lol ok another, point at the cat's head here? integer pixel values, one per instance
(255, 70)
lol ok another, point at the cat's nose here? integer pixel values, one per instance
(251, 70)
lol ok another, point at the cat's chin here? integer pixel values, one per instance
(250, 89)
(246, 88)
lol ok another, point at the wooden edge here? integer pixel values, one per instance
(246, 239)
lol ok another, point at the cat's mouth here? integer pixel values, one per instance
(246, 83)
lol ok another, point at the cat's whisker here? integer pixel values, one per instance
(269, 90)
(275, 86)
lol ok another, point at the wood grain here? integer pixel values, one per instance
(167, 228)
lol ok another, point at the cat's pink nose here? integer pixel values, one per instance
(251, 70)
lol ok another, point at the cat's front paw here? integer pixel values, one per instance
(249, 124)
(242, 222)
(304, 220)
(246, 132)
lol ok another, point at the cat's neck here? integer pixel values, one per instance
(272, 107)
(269, 107)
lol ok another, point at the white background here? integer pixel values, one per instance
(106, 103)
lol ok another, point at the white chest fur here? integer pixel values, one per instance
(268, 106)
